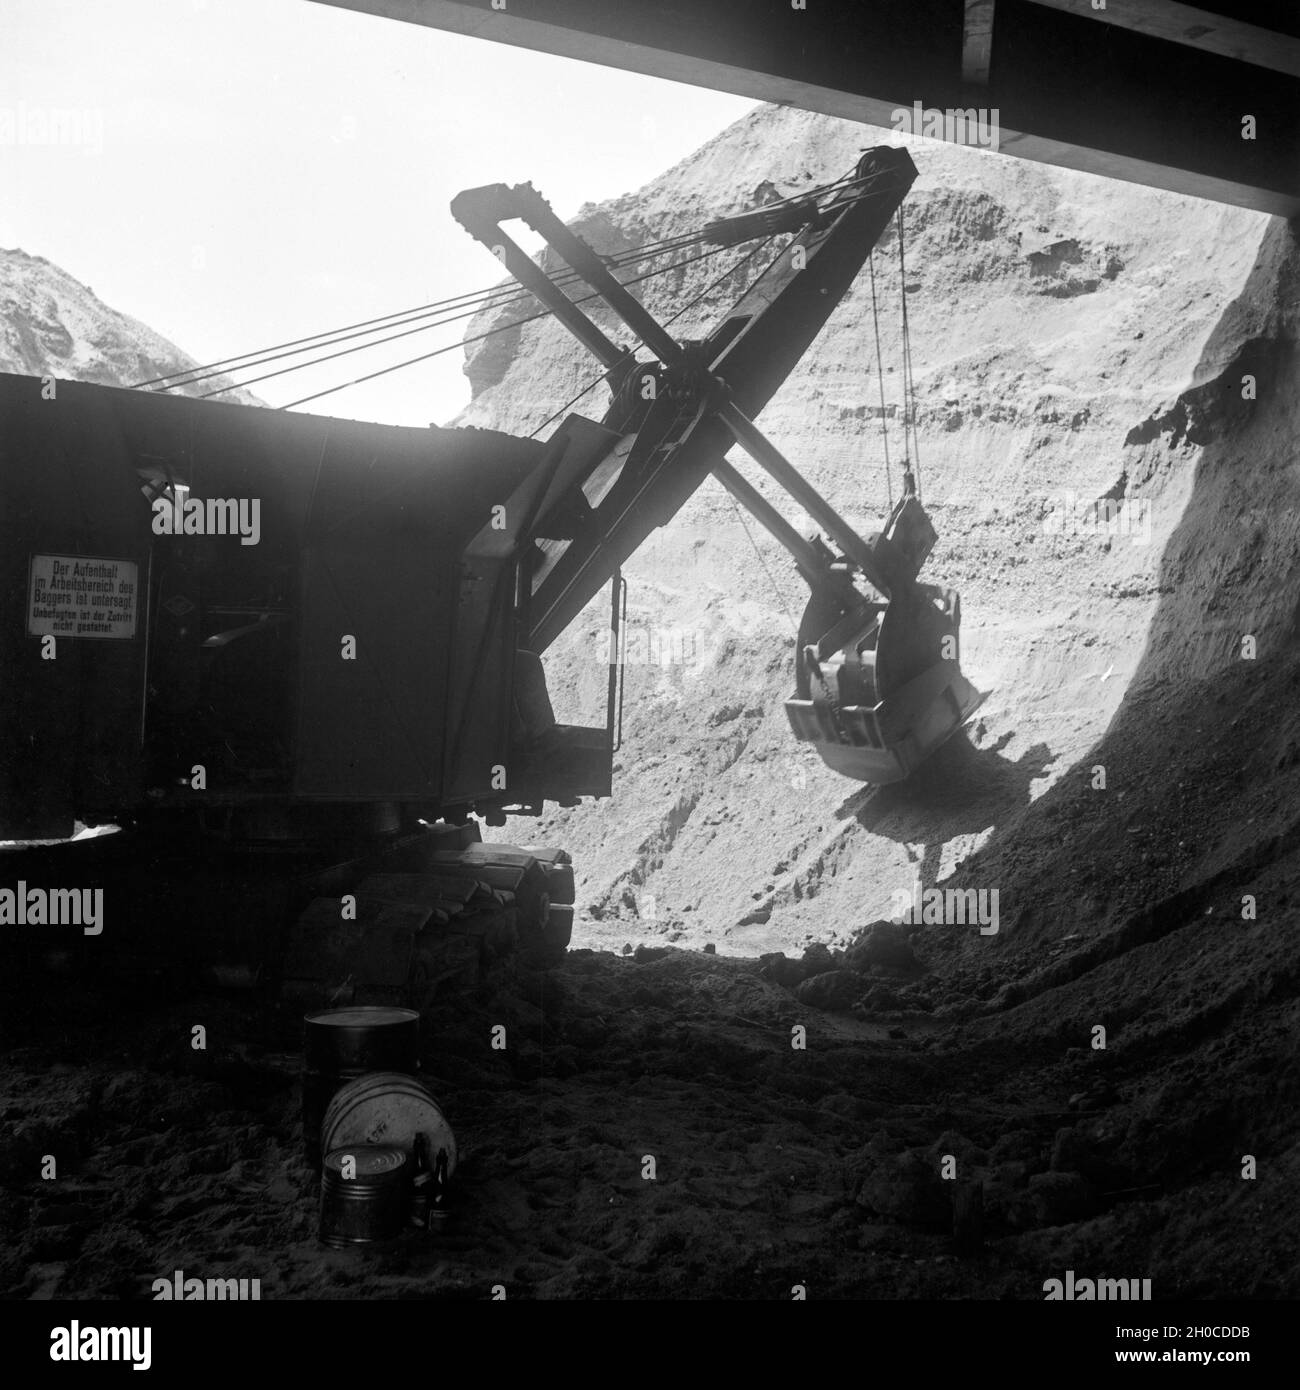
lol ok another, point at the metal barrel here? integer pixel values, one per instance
(370, 1205)
(387, 1108)
(342, 1044)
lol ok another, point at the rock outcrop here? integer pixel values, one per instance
(53, 325)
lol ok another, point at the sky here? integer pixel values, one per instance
(247, 172)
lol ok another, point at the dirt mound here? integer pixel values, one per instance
(53, 325)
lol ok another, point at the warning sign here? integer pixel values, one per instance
(82, 596)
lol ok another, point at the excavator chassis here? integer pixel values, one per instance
(408, 918)
(369, 671)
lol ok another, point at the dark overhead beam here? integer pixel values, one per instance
(1102, 98)
(1185, 24)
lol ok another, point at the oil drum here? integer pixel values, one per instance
(387, 1108)
(343, 1044)
(364, 1201)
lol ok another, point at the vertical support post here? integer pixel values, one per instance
(614, 691)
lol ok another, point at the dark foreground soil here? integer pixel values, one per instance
(772, 1165)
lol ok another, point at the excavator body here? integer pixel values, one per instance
(300, 724)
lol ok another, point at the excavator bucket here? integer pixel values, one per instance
(878, 684)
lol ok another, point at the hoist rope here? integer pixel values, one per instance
(468, 306)
(880, 378)
(450, 347)
(498, 297)
(569, 404)
(909, 382)
(712, 285)
(771, 578)
(648, 250)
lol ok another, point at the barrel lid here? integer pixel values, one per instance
(362, 1016)
(372, 1160)
(387, 1108)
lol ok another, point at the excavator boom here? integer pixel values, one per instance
(659, 453)
(874, 696)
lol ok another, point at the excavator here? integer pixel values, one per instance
(297, 734)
